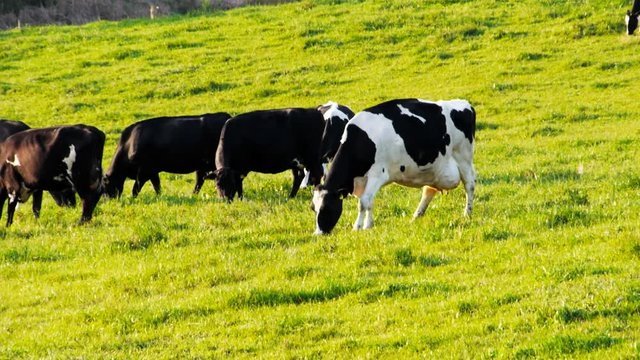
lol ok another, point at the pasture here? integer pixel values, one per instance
(548, 266)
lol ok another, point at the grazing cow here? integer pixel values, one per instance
(52, 159)
(411, 142)
(631, 18)
(181, 144)
(336, 117)
(62, 198)
(269, 141)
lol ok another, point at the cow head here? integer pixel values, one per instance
(328, 207)
(112, 187)
(631, 20)
(228, 182)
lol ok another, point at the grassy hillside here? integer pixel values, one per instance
(547, 267)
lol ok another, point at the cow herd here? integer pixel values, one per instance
(412, 142)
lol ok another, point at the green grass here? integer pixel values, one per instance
(548, 266)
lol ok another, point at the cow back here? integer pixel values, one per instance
(174, 144)
(268, 141)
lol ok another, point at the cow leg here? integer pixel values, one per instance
(37, 203)
(305, 181)
(11, 210)
(3, 198)
(200, 176)
(65, 197)
(89, 202)
(468, 175)
(298, 175)
(155, 181)
(365, 204)
(141, 179)
(427, 195)
(239, 181)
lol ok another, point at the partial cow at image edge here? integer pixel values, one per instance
(52, 159)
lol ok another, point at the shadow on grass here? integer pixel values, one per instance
(277, 297)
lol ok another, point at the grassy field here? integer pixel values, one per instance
(548, 267)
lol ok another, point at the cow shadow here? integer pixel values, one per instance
(530, 176)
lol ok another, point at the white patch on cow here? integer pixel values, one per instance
(626, 20)
(405, 111)
(456, 104)
(69, 160)
(344, 135)
(15, 162)
(318, 197)
(334, 111)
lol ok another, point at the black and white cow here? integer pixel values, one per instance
(269, 141)
(181, 145)
(411, 142)
(62, 198)
(336, 117)
(52, 159)
(631, 18)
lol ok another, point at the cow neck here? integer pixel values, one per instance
(340, 178)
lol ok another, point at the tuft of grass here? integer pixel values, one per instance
(565, 344)
(274, 297)
(144, 237)
(404, 257)
(29, 254)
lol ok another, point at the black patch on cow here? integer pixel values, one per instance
(354, 158)
(465, 121)
(424, 142)
(402, 168)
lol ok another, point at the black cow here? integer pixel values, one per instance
(62, 198)
(52, 159)
(181, 144)
(631, 18)
(269, 141)
(411, 142)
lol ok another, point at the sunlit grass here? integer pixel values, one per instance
(547, 267)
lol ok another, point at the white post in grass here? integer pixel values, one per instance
(153, 8)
